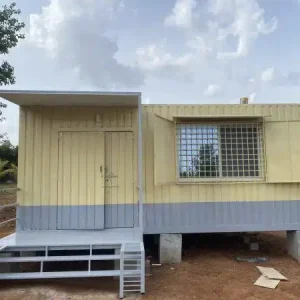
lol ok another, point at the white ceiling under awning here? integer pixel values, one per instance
(62, 98)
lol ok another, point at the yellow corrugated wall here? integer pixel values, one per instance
(38, 145)
(282, 142)
(39, 127)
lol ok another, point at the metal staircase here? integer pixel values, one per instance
(131, 258)
(132, 268)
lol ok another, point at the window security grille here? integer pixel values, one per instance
(220, 151)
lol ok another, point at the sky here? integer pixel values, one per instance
(173, 51)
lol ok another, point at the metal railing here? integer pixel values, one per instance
(3, 207)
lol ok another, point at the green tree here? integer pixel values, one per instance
(10, 34)
(8, 170)
(205, 164)
(8, 152)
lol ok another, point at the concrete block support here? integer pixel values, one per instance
(293, 244)
(170, 248)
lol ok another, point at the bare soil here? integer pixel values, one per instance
(208, 272)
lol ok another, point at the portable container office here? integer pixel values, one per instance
(99, 170)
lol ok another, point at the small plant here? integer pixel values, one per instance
(8, 170)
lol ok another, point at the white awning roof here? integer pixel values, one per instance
(71, 98)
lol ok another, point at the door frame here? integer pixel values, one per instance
(137, 165)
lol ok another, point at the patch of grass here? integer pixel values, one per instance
(7, 185)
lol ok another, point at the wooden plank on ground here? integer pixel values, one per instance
(266, 282)
(271, 273)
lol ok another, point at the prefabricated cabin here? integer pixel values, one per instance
(78, 165)
(103, 165)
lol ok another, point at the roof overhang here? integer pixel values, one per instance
(71, 98)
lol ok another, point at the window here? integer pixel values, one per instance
(220, 151)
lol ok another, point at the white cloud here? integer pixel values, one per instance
(244, 20)
(277, 77)
(214, 22)
(211, 29)
(146, 100)
(75, 33)
(122, 5)
(268, 75)
(212, 90)
(252, 97)
(202, 46)
(182, 14)
(155, 59)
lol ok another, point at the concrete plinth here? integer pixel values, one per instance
(293, 244)
(170, 246)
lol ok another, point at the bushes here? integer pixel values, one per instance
(8, 162)
(9, 152)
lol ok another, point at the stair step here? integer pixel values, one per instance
(68, 274)
(132, 285)
(59, 258)
(132, 256)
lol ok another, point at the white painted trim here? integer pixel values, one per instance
(61, 98)
(57, 92)
(140, 163)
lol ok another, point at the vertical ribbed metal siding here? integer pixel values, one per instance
(226, 207)
(38, 154)
(225, 196)
(80, 182)
(119, 189)
(216, 192)
(222, 216)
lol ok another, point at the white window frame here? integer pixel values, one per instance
(221, 179)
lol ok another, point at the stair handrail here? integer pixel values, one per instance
(142, 249)
(121, 279)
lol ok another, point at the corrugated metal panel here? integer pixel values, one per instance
(176, 193)
(283, 151)
(38, 159)
(80, 182)
(164, 151)
(119, 180)
(222, 217)
(278, 154)
(54, 120)
(294, 134)
(273, 112)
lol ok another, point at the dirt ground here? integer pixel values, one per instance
(208, 272)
